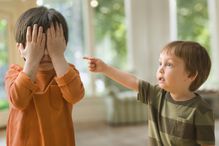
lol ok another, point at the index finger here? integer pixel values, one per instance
(28, 34)
(35, 31)
(88, 58)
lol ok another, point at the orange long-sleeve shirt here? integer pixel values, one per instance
(41, 112)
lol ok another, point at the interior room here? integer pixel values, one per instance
(128, 34)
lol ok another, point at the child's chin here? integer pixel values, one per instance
(161, 86)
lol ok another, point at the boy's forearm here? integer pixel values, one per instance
(71, 86)
(19, 89)
(30, 69)
(60, 65)
(126, 79)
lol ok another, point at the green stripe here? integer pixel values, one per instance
(174, 122)
(177, 128)
(178, 141)
(205, 133)
(204, 119)
(172, 111)
(183, 130)
(153, 142)
(151, 131)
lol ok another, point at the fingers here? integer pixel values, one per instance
(40, 34)
(48, 33)
(92, 63)
(34, 35)
(61, 30)
(20, 47)
(43, 42)
(92, 66)
(28, 34)
(89, 58)
(56, 29)
(52, 30)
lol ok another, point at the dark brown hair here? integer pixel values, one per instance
(195, 57)
(43, 17)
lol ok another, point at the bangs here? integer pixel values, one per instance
(176, 48)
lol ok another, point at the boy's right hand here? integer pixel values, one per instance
(33, 51)
(95, 64)
(35, 45)
(123, 78)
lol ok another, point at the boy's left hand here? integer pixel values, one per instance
(56, 43)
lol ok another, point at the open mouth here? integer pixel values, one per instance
(161, 79)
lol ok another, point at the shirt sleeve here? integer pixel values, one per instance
(204, 122)
(147, 92)
(19, 87)
(71, 85)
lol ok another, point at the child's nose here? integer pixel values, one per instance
(161, 69)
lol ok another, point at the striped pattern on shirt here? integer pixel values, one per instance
(176, 123)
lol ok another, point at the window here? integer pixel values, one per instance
(3, 55)
(193, 21)
(109, 33)
(110, 36)
(72, 11)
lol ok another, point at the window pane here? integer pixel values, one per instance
(72, 11)
(110, 35)
(193, 21)
(110, 32)
(3, 55)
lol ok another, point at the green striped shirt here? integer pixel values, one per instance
(176, 123)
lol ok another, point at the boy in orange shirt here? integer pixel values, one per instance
(43, 92)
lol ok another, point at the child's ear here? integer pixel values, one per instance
(193, 77)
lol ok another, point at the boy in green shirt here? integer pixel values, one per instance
(177, 115)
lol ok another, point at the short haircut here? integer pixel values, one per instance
(41, 16)
(195, 57)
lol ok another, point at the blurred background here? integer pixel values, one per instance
(128, 34)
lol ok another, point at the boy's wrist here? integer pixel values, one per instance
(32, 60)
(57, 58)
(105, 69)
(60, 65)
(30, 69)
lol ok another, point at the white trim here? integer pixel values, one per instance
(213, 9)
(173, 19)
